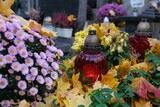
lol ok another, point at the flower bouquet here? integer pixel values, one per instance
(112, 11)
(29, 61)
(64, 24)
(114, 43)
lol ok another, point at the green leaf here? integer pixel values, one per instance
(54, 104)
(81, 106)
(101, 105)
(116, 105)
(117, 95)
(125, 105)
(157, 75)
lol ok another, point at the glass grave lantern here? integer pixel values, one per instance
(91, 61)
(139, 42)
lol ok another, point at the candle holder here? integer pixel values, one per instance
(139, 42)
(91, 61)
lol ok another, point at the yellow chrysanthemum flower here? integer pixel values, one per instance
(71, 18)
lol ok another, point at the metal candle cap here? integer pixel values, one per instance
(92, 41)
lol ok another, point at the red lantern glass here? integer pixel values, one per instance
(139, 44)
(92, 63)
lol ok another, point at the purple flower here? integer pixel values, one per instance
(16, 66)
(55, 65)
(12, 50)
(8, 58)
(3, 83)
(34, 71)
(40, 79)
(112, 11)
(29, 61)
(33, 91)
(24, 69)
(1, 47)
(22, 85)
(48, 81)
(5, 103)
(9, 35)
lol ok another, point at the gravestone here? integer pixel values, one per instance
(76, 7)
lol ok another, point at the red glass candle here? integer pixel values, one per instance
(91, 62)
(138, 45)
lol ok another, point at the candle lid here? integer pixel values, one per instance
(92, 41)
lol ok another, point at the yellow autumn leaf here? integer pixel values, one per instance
(76, 83)
(123, 67)
(35, 26)
(99, 84)
(69, 63)
(24, 103)
(62, 86)
(47, 32)
(142, 66)
(153, 41)
(73, 99)
(71, 18)
(109, 80)
(5, 7)
(141, 103)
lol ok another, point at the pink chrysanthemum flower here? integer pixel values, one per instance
(54, 75)
(4, 43)
(39, 98)
(48, 81)
(50, 59)
(60, 52)
(30, 77)
(1, 47)
(55, 65)
(22, 85)
(5, 103)
(10, 71)
(12, 50)
(21, 93)
(37, 56)
(37, 35)
(44, 72)
(43, 55)
(24, 69)
(48, 53)
(16, 66)
(18, 42)
(3, 83)
(8, 58)
(2, 61)
(21, 47)
(40, 79)
(52, 48)
(20, 34)
(43, 42)
(30, 53)
(23, 53)
(29, 61)
(2, 28)
(34, 71)
(9, 35)
(31, 38)
(33, 91)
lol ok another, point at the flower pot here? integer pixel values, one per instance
(64, 32)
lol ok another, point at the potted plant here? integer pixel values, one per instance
(64, 24)
(112, 10)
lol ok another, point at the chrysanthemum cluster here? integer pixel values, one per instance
(112, 11)
(110, 36)
(28, 63)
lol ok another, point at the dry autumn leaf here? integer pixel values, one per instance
(5, 7)
(24, 103)
(142, 66)
(35, 26)
(142, 87)
(141, 103)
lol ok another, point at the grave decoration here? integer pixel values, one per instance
(64, 24)
(29, 60)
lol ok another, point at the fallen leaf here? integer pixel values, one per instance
(5, 7)
(142, 87)
(69, 63)
(47, 32)
(24, 103)
(153, 41)
(76, 83)
(99, 84)
(142, 66)
(35, 26)
(141, 103)
(109, 80)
